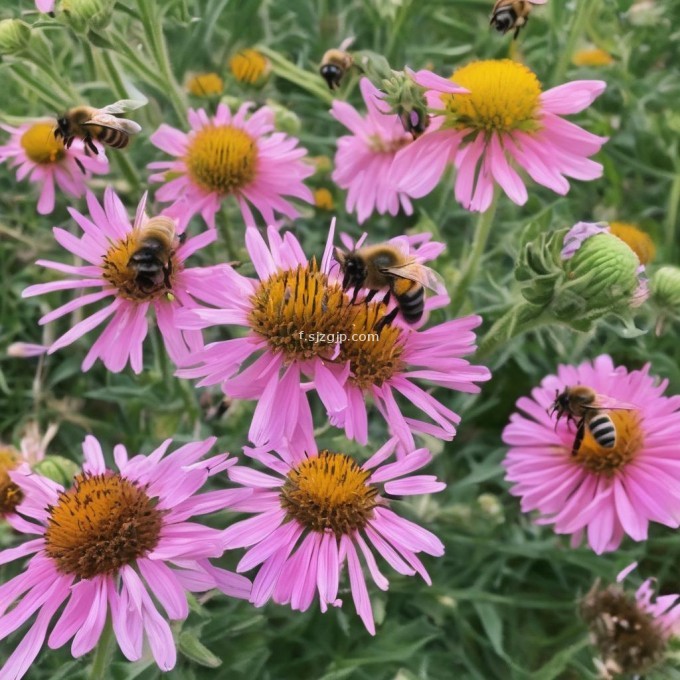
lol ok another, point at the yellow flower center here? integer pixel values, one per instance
(504, 96)
(205, 85)
(10, 494)
(40, 144)
(222, 158)
(292, 307)
(628, 638)
(629, 440)
(374, 357)
(636, 239)
(249, 66)
(329, 492)
(101, 524)
(142, 280)
(592, 57)
(323, 199)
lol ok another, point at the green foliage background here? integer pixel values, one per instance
(503, 600)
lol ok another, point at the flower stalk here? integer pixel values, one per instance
(469, 270)
(578, 26)
(102, 653)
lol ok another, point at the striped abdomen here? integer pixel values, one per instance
(603, 430)
(410, 296)
(114, 138)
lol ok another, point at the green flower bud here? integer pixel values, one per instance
(580, 275)
(14, 36)
(84, 15)
(665, 289)
(58, 469)
(284, 119)
(406, 99)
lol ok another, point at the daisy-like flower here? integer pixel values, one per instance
(505, 122)
(604, 492)
(364, 158)
(301, 323)
(115, 544)
(32, 450)
(312, 511)
(38, 155)
(227, 154)
(630, 632)
(108, 243)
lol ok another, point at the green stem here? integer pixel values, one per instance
(578, 26)
(100, 662)
(153, 30)
(672, 217)
(469, 272)
(287, 70)
(519, 319)
(43, 91)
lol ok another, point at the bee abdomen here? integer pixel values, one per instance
(113, 138)
(603, 431)
(412, 304)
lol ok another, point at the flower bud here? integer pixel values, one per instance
(581, 274)
(84, 15)
(250, 66)
(284, 119)
(58, 469)
(205, 84)
(14, 36)
(406, 99)
(665, 290)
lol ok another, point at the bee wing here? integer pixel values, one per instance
(122, 124)
(415, 271)
(122, 106)
(602, 401)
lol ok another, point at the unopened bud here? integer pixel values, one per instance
(665, 289)
(14, 36)
(83, 15)
(58, 469)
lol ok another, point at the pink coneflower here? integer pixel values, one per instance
(505, 122)
(363, 159)
(630, 633)
(293, 302)
(108, 245)
(604, 492)
(38, 155)
(313, 510)
(230, 155)
(112, 544)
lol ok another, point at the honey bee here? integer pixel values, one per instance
(152, 261)
(588, 409)
(101, 125)
(509, 14)
(384, 266)
(334, 65)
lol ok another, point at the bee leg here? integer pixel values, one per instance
(514, 37)
(90, 144)
(371, 295)
(386, 299)
(68, 142)
(580, 432)
(354, 295)
(182, 237)
(80, 165)
(386, 320)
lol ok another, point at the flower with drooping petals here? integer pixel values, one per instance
(249, 66)
(230, 154)
(311, 513)
(505, 122)
(364, 158)
(114, 545)
(107, 245)
(630, 633)
(605, 493)
(39, 155)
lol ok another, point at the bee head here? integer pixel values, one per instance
(353, 269)
(332, 74)
(504, 20)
